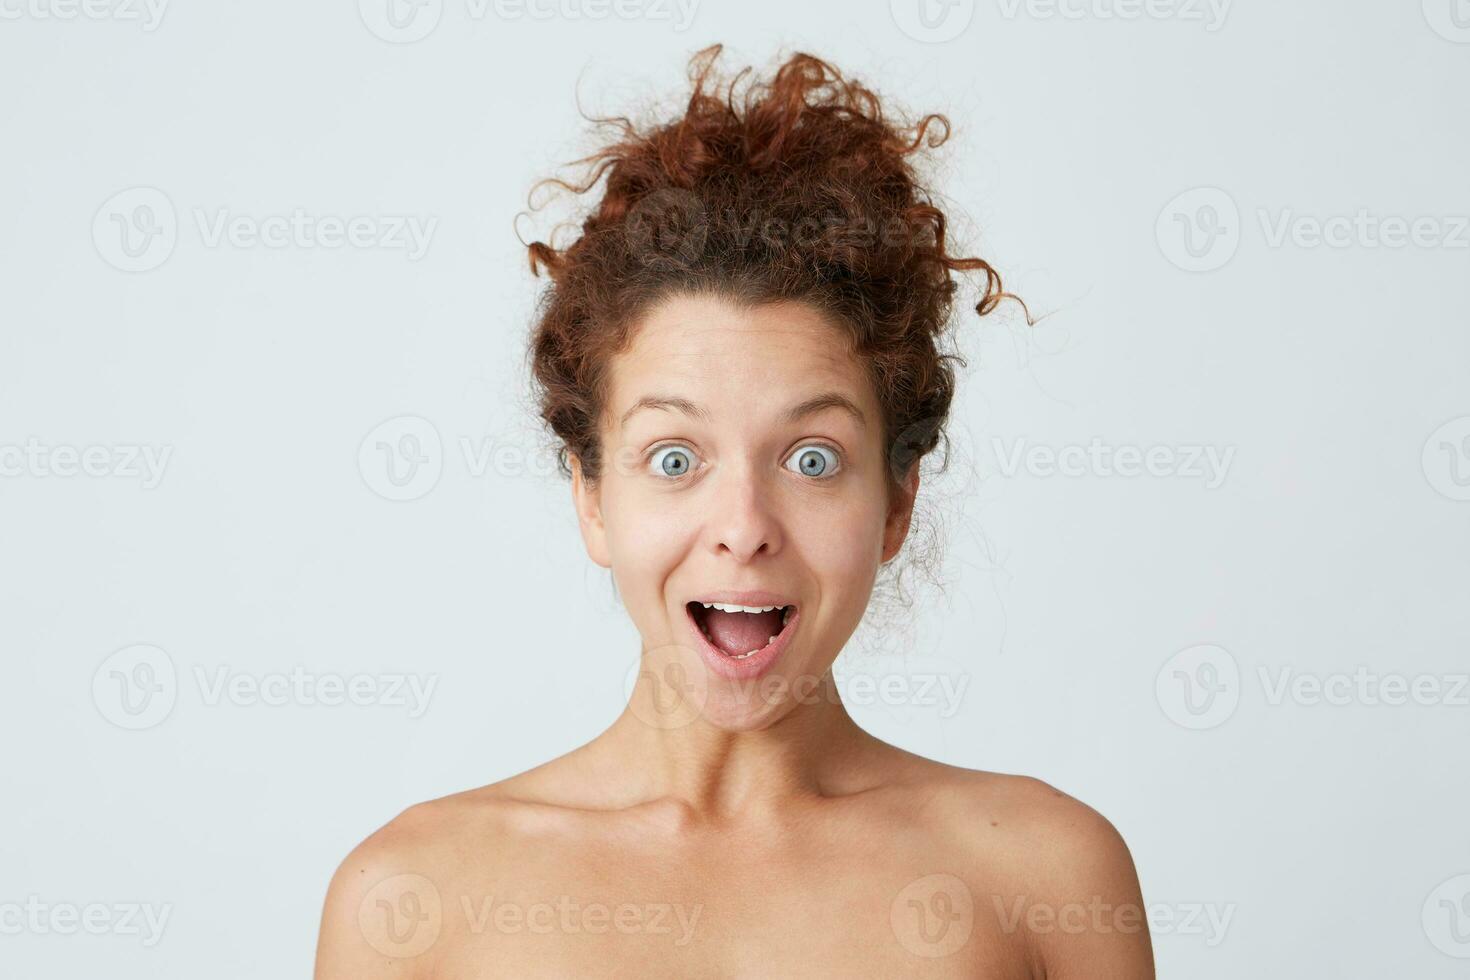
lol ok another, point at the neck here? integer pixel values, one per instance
(812, 751)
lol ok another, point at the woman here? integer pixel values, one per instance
(740, 358)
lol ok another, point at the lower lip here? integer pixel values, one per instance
(749, 667)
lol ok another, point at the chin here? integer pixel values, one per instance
(750, 706)
(736, 714)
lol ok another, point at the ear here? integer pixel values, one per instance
(588, 502)
(900, 511)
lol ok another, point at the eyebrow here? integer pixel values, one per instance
(813, 405)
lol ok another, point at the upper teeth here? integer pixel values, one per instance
(728, 607)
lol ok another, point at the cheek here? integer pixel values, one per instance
(646, 540)
(843, 544)
(642, 525)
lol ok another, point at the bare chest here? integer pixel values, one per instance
(569, 910)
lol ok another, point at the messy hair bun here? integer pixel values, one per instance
(800, 190)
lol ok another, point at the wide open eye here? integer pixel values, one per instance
(816, 461)
(670, 462)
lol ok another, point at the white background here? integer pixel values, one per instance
(1338, 538)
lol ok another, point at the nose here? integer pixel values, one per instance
(744, 520)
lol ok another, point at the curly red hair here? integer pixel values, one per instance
(802, 190)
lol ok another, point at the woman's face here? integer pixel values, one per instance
(743, 453)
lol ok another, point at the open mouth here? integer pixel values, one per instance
(740, 632)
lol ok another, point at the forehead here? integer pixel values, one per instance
(728, 358)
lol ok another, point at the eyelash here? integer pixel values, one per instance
(655, 450)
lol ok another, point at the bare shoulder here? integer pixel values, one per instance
(384, 904)
(1045, 866)
(1045, 833)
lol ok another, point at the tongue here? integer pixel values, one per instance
(737, 633)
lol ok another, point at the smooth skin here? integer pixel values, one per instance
(721, 829)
